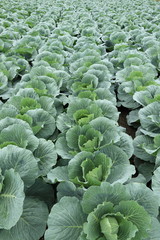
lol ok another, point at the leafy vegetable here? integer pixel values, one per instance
(118, 214)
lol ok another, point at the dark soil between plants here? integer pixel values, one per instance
(123, 121)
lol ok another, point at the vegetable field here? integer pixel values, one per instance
(79, 120)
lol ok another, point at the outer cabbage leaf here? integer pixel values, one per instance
(46, 156)
(139, 150)
(17, 134)
(106, 127)
(69, 189)
(149, 119)
(120, 160)
(126, 144)
(43, 123)
(22, 161)
(144, 196)
(12, 197)
(125, 95)
(3, 83)
(31, 224)
(149, 95)
(144, 168)
(106, 192)
(108, 109)
(68, 224)
(58, 174)
(156, 183)
(154, 233)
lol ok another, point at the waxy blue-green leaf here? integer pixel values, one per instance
(22, 161)
(18, 135)
(46, 156)
(149, 119)
(98, 194)
(144, 197)
(31, 224)
(58, 174)
(120, 160)
(65, 220)
(69, 189)
(139, 150)
(11, 199)
(43, 123)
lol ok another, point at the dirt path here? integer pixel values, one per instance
(123, 121)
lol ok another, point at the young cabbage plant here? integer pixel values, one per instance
(90, 137)
(106, 212)
(85, 169)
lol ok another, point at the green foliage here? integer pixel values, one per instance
(105, 212)
(66, 67)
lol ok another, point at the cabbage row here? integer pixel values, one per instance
(66, 165)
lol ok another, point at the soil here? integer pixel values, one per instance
(123, 121)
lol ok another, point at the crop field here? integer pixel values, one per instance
(79, 120)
